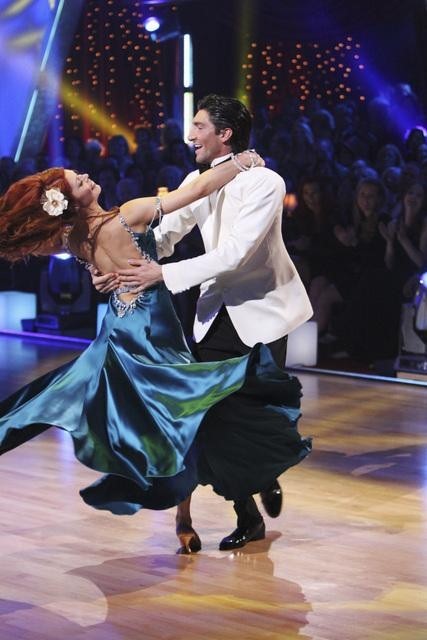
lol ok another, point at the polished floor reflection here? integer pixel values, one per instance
(346, 559)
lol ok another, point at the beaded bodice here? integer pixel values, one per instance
(145, 243)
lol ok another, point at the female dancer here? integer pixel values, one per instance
(134, 400)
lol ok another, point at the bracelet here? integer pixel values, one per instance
(158, 210)
(241, 167)
(238, 164)
(254, 158)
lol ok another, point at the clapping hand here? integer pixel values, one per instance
(401, 233)
(388, 231)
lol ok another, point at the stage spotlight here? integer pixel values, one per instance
(65, 297)
(420, 304)
(151, 24)
(412, 357)
(162, 28)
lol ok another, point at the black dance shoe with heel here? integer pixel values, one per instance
(189, 540)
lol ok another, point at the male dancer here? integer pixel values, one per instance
(250, 290)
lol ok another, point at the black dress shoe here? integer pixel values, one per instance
(272, 500)
(242, 535)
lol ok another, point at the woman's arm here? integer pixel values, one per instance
(388, 232)
(415, 254)
(140, 212)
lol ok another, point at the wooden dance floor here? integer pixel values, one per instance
(346, 559)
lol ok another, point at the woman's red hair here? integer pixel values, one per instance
(25, 228)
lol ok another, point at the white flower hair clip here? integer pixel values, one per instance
(54, 202)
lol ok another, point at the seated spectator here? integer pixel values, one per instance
(392, 181)
(308, 232)
(411, 172)
(388, 156)
(108, 177)
(170, 132)
(136, 174)
(74, 154)
(118, 151)
(346, 189)
(344, 114)
(322, 124)
(380, 123)
(421, 155)
(94, 150)
(406, 238)
(127, 189)
(414, 139)
(147, 158)
(178, 154)
(169, 177)
(370, 322)
(301, 157)
(278, 150)
(359, 246)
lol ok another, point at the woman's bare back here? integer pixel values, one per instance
(104, 242)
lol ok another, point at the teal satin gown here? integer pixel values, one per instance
(141, 410)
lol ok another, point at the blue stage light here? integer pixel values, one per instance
(62, 256)
(151, 24)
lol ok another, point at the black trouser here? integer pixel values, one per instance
(222, 342)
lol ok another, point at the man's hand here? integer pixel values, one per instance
(104, 282)
(143, 274)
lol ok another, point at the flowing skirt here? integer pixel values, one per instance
(157, 423)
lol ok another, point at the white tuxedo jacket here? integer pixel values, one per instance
(246, 266)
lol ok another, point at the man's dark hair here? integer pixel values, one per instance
(229, 113)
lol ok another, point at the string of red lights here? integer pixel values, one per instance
(112, 77)
(304, 71)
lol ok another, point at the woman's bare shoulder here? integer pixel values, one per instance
(131, 213)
